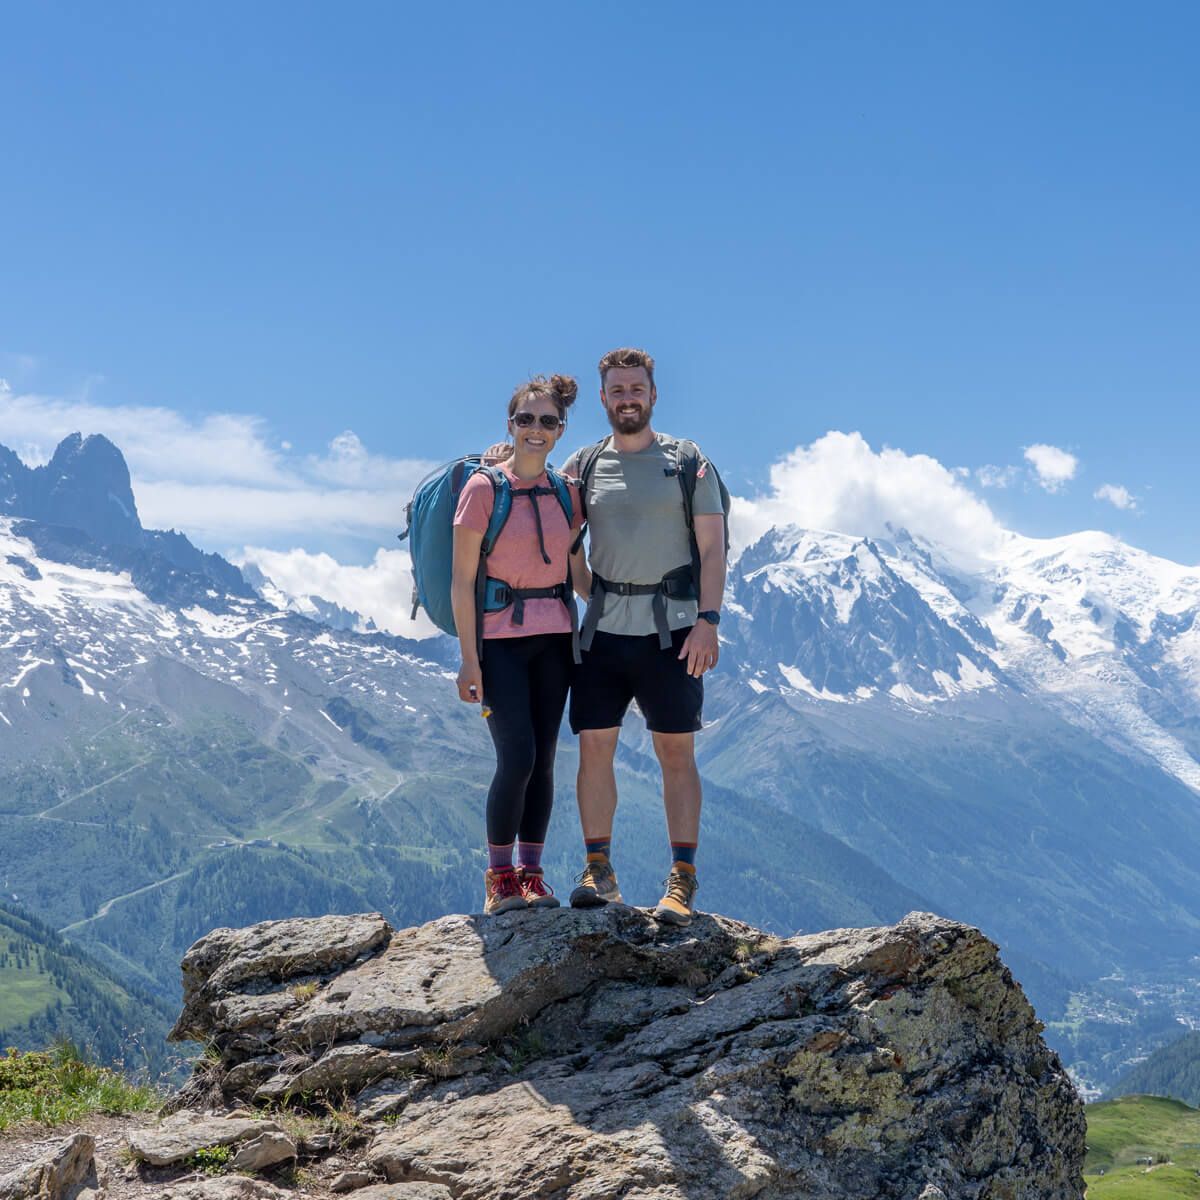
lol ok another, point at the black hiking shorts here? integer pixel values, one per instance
(620, 668)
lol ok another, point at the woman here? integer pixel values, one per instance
(520, 669)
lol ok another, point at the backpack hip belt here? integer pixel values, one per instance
(677, 584)
(498, 595)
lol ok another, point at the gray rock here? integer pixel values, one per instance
(250, 1012)
(60, 1175)
(231, 1187)
(404, 1191)
(267, 1150)
(247, 1076)
(180, 1135)
(348, 1181)
(599, 1055)
(227, 962)
(341, 1069)
(383, 1099)
(315, 1144)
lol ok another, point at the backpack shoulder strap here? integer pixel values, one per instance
(687, 465)
(501, 507)
(688, 462)
(587, 464)
(562, 489)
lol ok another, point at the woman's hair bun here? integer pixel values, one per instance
(560, 390)
(565, 388)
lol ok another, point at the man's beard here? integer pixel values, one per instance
(630, 424)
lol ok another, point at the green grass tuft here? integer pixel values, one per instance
(212, 1160)
(53, 1087)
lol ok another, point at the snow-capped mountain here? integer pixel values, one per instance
(316, 608)
(94, 631)
(839, 619)
(1101, 632)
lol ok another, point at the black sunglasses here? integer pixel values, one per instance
(525, 420)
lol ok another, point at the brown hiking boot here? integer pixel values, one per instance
(597, 885)
(502, 892)
(679, 904)
(537, 892)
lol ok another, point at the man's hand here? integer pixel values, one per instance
(470, 683)
(497, 453)
(701, 648)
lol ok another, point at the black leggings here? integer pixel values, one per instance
(525, 682)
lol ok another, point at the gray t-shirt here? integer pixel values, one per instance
(638, 531)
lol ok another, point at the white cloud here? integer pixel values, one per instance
(1116, 495)
(222, 478)
(996, 477)
(381, 590)
(348, 464)
(1052, 466)
(840, 483)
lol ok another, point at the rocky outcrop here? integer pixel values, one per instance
(598, 1054)
(67, 1173)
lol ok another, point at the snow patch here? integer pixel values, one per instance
(25, 669)
(797, 681)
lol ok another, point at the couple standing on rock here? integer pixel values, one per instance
(656, 516)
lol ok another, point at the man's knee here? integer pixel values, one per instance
(675, 751)
(597, 747)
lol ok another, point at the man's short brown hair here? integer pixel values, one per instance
(627, 356)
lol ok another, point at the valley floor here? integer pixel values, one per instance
(1142, 1148)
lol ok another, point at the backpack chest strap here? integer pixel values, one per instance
(533, 493)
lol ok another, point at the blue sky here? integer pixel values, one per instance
(960, 231)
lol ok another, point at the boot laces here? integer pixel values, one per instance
(534, 881)
(680, 887)
(596, 875)
(505, 884)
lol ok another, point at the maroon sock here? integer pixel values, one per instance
(500, 857)
(529, 855)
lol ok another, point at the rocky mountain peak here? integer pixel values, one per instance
(831, 616)
(566, 1053)
(86, 485)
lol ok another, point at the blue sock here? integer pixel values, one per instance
(598, 846)
(684, 852)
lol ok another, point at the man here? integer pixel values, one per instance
(647, 635)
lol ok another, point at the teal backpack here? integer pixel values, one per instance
(430, 535)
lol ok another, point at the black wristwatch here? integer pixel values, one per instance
(710, 615)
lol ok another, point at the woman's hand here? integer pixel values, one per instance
(470, 683)
(498, 453)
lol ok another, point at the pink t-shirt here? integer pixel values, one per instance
(515, 558)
